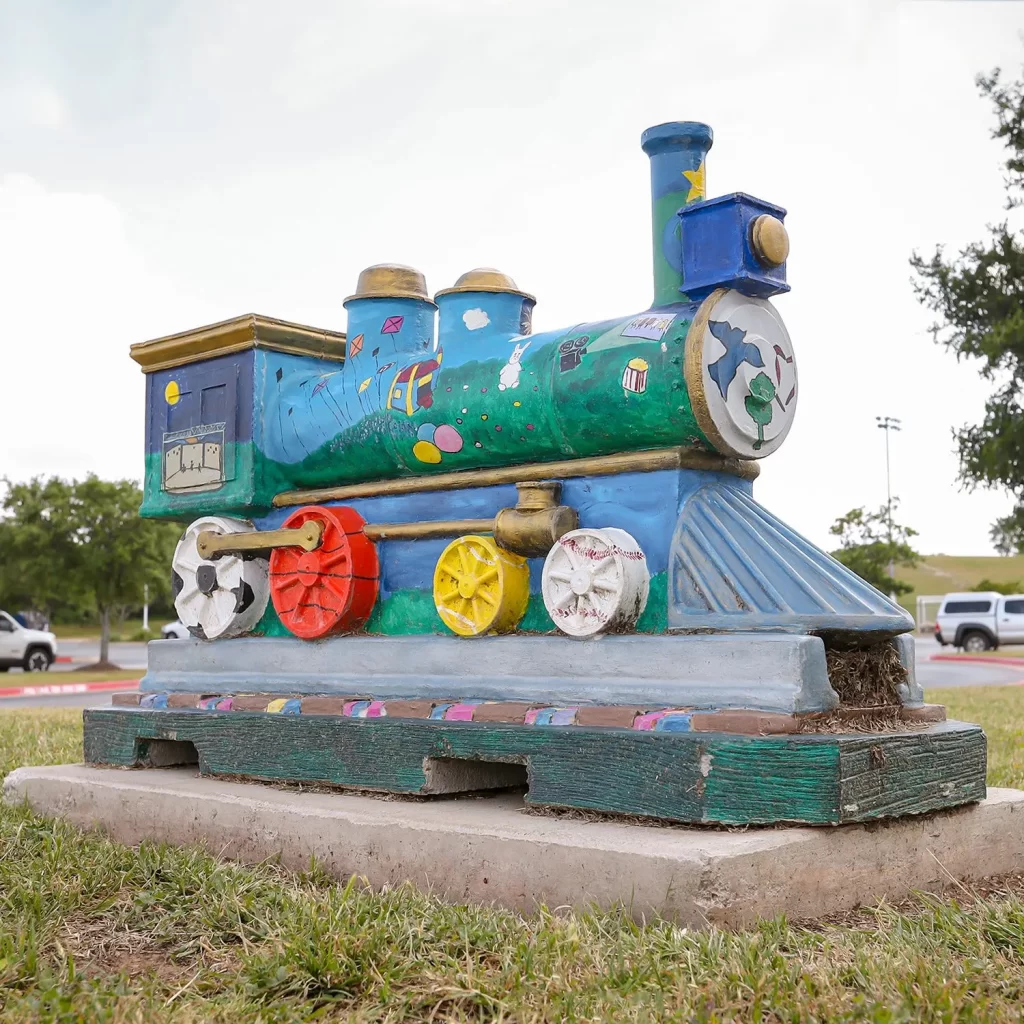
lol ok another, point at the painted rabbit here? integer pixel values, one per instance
(508, 376)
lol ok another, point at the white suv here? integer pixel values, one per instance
(30, 649)
(980, 621)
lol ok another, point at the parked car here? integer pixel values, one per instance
(980, 621)
(174, 631)
(34, 650)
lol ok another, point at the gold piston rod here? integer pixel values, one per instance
(530, 529)
(211, 544)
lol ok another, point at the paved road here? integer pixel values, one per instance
(85, 651)
(930, 673)
(933, 674)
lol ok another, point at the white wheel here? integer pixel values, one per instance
(595, 581)
(219, 597)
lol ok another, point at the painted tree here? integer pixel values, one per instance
(869, 545)
(84, 540)
(978, 296)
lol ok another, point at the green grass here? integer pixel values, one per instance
(74, 676)
(130, 629)
(93, 931)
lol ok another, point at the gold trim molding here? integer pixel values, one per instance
(596, 465)
(237, 335)
(693, 372)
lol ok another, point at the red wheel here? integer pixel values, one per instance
(332, 589)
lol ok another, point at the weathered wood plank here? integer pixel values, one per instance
(909, 773)
(691, 777)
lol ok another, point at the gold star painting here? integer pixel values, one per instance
(696, 180)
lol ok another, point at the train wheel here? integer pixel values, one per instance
(595, 581)
(480, 587)
(220, 597)
(332, 589)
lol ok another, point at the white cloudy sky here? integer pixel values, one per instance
(167, 165)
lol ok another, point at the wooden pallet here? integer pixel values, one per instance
(815, 778)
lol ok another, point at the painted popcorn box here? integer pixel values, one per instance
(441, 536)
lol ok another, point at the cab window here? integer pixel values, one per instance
(968, 607)
(1015, 607)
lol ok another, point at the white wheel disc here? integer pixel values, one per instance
(219, 597)
(595, 581)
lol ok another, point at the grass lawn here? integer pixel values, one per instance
(93, 931)
(77, 675)
(127, 630)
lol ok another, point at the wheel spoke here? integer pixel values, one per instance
(487, 574)
(488, 597)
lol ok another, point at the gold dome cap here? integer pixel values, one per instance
(485, 279)
(391, 281)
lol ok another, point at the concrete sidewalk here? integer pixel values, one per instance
(489, 849)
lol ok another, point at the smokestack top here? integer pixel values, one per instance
(663, 138)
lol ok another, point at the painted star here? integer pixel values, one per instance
(696, 180)
(723, 370)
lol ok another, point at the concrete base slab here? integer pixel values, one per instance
(489, 850)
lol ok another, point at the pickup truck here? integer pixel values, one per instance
(980, 621)
(20, 647)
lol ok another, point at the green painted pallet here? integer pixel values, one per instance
(812, 778)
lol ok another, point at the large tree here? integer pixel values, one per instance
(872, 545)
(978, 296)
(81, 542)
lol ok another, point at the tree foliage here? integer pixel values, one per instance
(81, 544)
(866, 548)
(987, 586)
(978, 296)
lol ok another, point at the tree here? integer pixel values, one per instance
(82, 542)
(867, 549)
(991, 586)
(978, 296)
(36, 542)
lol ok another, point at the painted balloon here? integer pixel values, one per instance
(448, 439)
(426, 452)
(426, 431)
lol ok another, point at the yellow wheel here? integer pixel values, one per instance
(480, 588)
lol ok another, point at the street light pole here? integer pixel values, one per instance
(888, 423)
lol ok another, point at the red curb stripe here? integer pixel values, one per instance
(63, 659)
(59, 689)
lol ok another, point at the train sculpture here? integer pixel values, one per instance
(437, 548)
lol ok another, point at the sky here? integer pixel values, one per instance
(168, 165)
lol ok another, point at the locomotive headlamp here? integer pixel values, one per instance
(769, 240)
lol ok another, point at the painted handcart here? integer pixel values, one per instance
(441, 553)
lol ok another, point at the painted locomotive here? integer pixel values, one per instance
(443, 553)
(442, 469)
